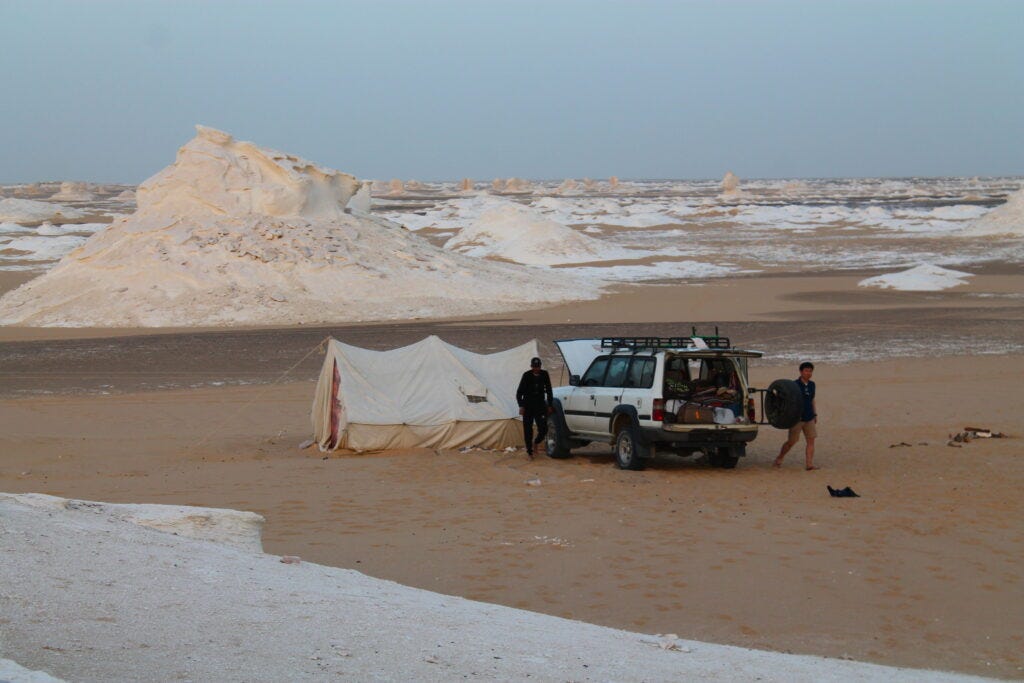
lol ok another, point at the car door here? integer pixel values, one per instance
(579, 405)
(609, 394)
(636, 390)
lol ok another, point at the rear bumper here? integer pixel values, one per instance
(703, 435)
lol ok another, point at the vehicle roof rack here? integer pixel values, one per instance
(713, 342)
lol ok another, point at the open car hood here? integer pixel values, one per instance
(578, 354)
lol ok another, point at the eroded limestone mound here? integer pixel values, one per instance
(232, 233)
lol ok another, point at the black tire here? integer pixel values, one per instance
(630, 452)
(783, 404)
(557, 440)
(725, 457)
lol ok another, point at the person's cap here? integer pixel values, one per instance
(535, 362)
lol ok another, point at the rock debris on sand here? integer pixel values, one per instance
(90, 595)
(232, 233)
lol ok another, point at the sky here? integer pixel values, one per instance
(107, 91)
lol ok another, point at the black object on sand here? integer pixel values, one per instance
(842, 493)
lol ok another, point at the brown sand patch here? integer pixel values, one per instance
(923, 570)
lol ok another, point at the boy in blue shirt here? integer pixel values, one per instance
(808, 424)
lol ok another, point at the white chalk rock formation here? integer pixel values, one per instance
(126, 196)
(33, 190)
(396, 186)
(613, 182)
(231, 233)
(466, 185)
(229, 527)
(498, 185)
(568, 186)
(12, 672)
(730, 185)
(415, 186)
(518, 186)
(74, 192)
(1007, 219)
(31, 211)
(510, 231)
(923, 278)
(361, 201)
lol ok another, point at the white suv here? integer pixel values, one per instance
(679, 394)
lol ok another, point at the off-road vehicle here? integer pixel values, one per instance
(684, 395)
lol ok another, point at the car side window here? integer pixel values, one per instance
(595, 373)
(641, 373)
(617, 371)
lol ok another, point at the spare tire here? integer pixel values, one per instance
(783, 404)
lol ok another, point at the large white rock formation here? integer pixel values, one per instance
(74, 192)
(1007, 219)
(510, 231)
(730, 185)
(31, 211)
(232, 233)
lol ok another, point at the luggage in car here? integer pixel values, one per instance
(695, 413)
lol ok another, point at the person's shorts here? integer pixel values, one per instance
(809, 429)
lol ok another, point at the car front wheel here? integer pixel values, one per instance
(557, 439)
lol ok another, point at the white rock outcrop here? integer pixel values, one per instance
(926, 277)
(233, 528)
(232, 233)
(730, 184)
(510, 231)
(74, 192)
(14, 210)
(1006, 219)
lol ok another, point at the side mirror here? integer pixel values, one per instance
(752, 390)
(574, 380)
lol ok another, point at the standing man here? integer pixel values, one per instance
(808, 423)
(535, 399)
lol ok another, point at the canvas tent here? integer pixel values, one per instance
(429, 394)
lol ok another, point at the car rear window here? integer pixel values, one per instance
(641, 373)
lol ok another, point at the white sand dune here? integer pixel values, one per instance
(235, 234)
(102, 598)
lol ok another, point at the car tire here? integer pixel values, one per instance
(630, 452)
(783, 403)
(725, 457)
(557, 439)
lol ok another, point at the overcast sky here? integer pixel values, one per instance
(107, 91)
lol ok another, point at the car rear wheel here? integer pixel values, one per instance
(629, 451)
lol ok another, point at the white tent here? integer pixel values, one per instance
(429, 394)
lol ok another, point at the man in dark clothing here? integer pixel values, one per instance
(535, 399)
(808, 424)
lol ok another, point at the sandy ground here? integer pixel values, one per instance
(923, 570)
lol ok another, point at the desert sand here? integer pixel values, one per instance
(922, 570)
